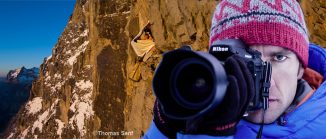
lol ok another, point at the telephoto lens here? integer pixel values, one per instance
(189, 84)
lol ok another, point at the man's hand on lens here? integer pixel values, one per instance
(223, 120)
(169, 127)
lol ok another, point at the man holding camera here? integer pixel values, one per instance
(297, 89)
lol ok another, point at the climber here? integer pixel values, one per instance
(297, 95)
(143, 43)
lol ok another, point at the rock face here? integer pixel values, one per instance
(84, 89)
(14, 92)
(315, 16)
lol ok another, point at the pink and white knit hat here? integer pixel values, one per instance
(262, 22)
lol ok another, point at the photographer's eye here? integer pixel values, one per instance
(279, 58)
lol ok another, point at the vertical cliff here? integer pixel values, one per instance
(315, 16)
(84, 89)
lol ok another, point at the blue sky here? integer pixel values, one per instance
(29, 29)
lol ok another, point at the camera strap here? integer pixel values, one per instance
(260, 132)
(265, 94)
(267, 74)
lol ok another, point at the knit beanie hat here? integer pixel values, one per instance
(262, 22)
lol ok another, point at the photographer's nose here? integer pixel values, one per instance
(272, 83)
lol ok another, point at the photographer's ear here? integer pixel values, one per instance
(300, 71)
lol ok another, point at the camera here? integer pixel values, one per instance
(190, 84)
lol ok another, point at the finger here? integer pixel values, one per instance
(248, 79)
(229, 106)
(233, 67)
(233, 96)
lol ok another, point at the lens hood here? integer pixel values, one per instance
(171, 80)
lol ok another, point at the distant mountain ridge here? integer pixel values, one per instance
(23, 75)
(14, 92)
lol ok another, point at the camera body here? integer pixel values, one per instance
(189, 84)
(261, 71)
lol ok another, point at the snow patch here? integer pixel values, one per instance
(72, 59)
(53, 89)
(82, 107)
(25, 132)
(83, 8)
(34, 106)
(68, 52)
(58, 76)
(83, 45)
(70, 34)
(15, 74)
(70, 74)
(39, 123)
(88, 66)
(85, 33)
(58, 85)
(84, 111)
(10, 136)
(80, 49)
(48, 77)
(60, 126)
(117, 14)
(126, 12)
(48, 58)
(82, 85)
(111, 15)
(75, 40)
(44, 117)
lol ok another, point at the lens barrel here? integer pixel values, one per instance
(189, 84)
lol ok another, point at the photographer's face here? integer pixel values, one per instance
(286, 71)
